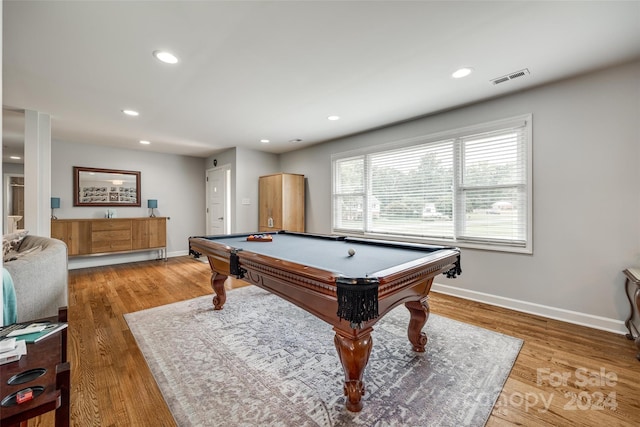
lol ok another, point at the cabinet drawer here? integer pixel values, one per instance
(110, 241)
(110, 225)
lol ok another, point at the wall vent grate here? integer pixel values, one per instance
(510, 76)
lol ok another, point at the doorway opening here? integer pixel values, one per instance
(13, 203)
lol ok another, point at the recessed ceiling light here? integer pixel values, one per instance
(165, 57)
(265, 141)
(333, 117)
(15, 157)
(462, 72)
(131, 113)
(145, 142)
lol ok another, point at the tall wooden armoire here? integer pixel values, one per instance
(281, 201)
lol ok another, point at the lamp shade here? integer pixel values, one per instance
(55, 202)
(152, 204)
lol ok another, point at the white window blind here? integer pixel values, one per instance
(348, 194)
(493, 187)
(466, 186)
(413, 188)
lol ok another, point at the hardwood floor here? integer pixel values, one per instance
(112, 386)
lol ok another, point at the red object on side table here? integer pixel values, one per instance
(39, 382)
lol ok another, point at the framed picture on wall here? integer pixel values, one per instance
(105, 187)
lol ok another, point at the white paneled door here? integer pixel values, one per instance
(218, 200)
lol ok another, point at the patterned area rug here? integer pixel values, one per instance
(261, 361)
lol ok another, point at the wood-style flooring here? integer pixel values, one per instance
(565, 374)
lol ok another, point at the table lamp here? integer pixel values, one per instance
(152, 204)
(55, 204)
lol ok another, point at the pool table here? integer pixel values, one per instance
(349, 283)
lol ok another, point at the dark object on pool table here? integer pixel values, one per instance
(260, 238)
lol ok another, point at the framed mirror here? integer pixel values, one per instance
(105, 187)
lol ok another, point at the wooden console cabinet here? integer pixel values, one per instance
(111, 235)
(281, 202)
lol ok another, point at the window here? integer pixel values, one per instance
(470, 187)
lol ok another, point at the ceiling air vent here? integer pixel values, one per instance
(510, 76)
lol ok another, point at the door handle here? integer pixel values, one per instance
(221, 218)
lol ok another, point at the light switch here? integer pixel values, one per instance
(246, 201)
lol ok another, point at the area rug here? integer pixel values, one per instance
(262, 361)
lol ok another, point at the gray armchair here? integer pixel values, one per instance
(40, 277)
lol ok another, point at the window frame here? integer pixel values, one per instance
(525, 121)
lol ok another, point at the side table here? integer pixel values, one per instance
(632, 287)
(46, 371)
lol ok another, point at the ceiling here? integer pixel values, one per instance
(276, 70)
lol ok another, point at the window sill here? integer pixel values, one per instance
(495, 247)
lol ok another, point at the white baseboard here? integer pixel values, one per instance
(177, 253)
(589, 320)
(102, 260)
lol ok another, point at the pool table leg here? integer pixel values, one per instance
(419, 314)
(217, 283)
(354, 355)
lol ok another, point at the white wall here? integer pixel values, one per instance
(255, 164)
(13, 168)
(37, 166)
(586, 181)
(177, 182)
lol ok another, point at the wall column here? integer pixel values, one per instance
(37, 173)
